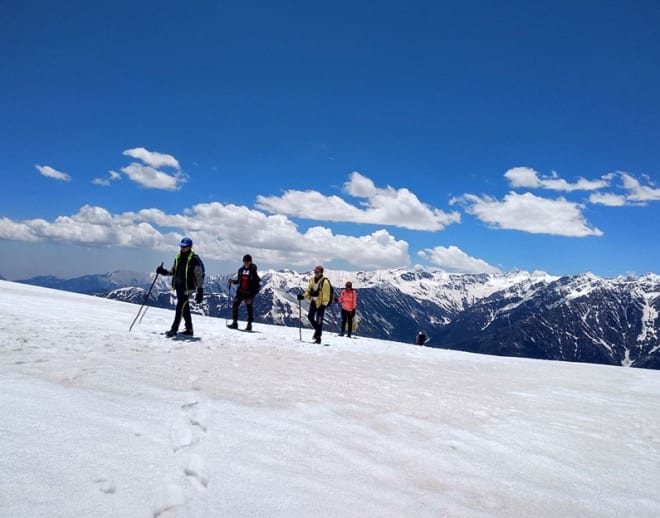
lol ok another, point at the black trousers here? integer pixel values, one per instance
(347, 316)
(240, 297)
(315, 317)
(182, 309)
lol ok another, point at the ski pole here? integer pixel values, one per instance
(334, 319)
(142, 316)
(300, 320)
(229, 300)
(145, 300)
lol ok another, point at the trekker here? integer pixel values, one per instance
(348, 301)
(421, 338)
(248, 286)
(187, 278)
(319, 293)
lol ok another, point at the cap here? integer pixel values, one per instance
(349, 284)
(186, 241)
(247, 257)
(318, 269)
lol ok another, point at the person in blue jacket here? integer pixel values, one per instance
(187, 278)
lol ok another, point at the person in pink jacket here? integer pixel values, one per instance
(348, 300)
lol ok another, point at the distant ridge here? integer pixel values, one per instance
(582, 318)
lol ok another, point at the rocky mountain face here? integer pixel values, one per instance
(579, 318)
(576, 318)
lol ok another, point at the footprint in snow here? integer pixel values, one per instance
(199, 417)
(165, 500)
(196, 471)
(181, 435)
(106, 486)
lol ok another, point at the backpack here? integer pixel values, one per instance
(201, 264)
(253, 270)
(332, 292)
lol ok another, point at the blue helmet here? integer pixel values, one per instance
(186, 241)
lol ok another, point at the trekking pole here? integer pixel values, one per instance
(145, 300)
(229, 301)
(300, 320)
(334, 319)
(143, 313)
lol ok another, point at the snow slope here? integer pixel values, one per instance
(100, 422)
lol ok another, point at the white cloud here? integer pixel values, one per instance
(388, 206)
(149, 174)
(152, 178)
(529, 213)
(152, 158)
(223, 231)
(637, 192)
(113, 176)
(609, 199)
(529, 178)
(453, 259)
(49, 172)
(634, 193)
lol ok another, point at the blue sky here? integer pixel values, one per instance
(479, 137)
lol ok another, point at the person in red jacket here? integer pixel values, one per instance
(248, 281)
(348, 300)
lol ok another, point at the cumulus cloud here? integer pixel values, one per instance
(608, 199)
(634, 192)
(148, 172)
(531, 179)
(453, 259)
(49, 172)
(152, 158)
(388, 206)
(223, 232)
(152, 178)
(90, 226)
(638, 193)
(113, 176)
(529, 213)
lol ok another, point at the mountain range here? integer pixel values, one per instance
(583, 318)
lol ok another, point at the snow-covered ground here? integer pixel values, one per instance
(100, 422)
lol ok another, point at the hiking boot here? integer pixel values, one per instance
(233, 325)
(249, 326)
(317, 340)
(188, 332)
(342, 334)
(170, 333)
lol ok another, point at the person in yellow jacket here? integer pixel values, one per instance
(319, 293)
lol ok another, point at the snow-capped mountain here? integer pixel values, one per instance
(576, 318)
(95, 283)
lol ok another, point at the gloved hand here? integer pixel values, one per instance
(300, 296)
(229, 283)
(162, 271)
(200, 295)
